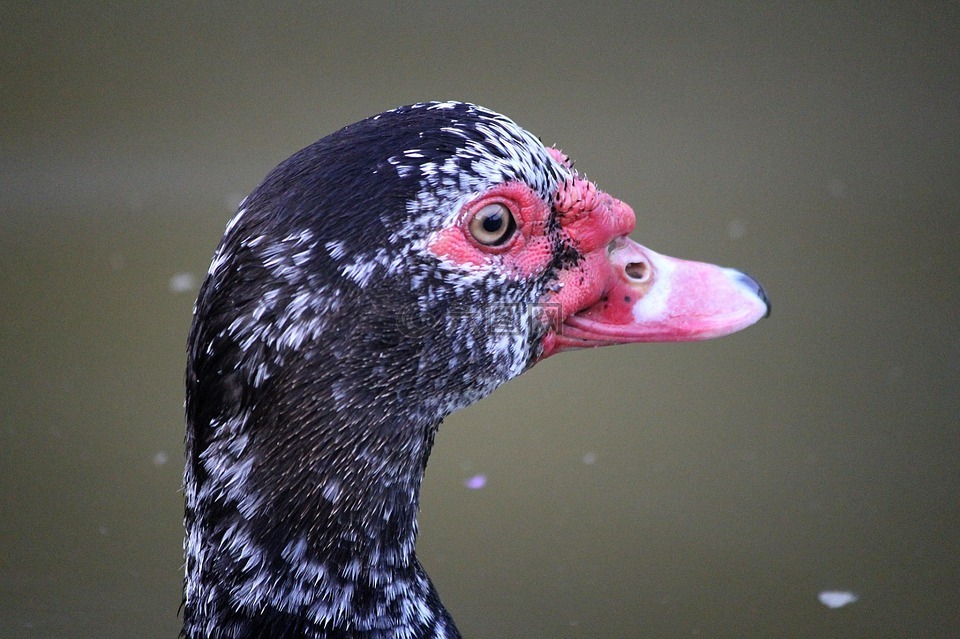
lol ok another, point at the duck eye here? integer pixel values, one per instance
(493, 225)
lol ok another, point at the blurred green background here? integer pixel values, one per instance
(710, 489)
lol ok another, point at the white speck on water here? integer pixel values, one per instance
(736, 229)
(589, 458)
(837, 598)
(894, 374)
(476, 482)
(103, 530)
(161, 458)
(182, 283)
(837, 189)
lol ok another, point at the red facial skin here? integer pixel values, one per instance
(526, 254)
(618, 291)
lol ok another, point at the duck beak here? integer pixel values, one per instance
(639, 295)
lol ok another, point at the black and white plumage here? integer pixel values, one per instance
(353, 303)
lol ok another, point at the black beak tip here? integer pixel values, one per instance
(754, 285)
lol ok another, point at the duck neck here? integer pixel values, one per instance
(301, 522)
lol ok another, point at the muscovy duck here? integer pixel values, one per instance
(378, 280)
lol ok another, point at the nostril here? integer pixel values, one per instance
(638, 271)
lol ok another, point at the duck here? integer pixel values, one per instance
(376, 281)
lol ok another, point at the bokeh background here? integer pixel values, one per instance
(712, 489)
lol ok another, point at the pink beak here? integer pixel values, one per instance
(648, 297)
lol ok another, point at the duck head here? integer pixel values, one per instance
(376, 281)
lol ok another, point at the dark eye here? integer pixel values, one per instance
(493, 225)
